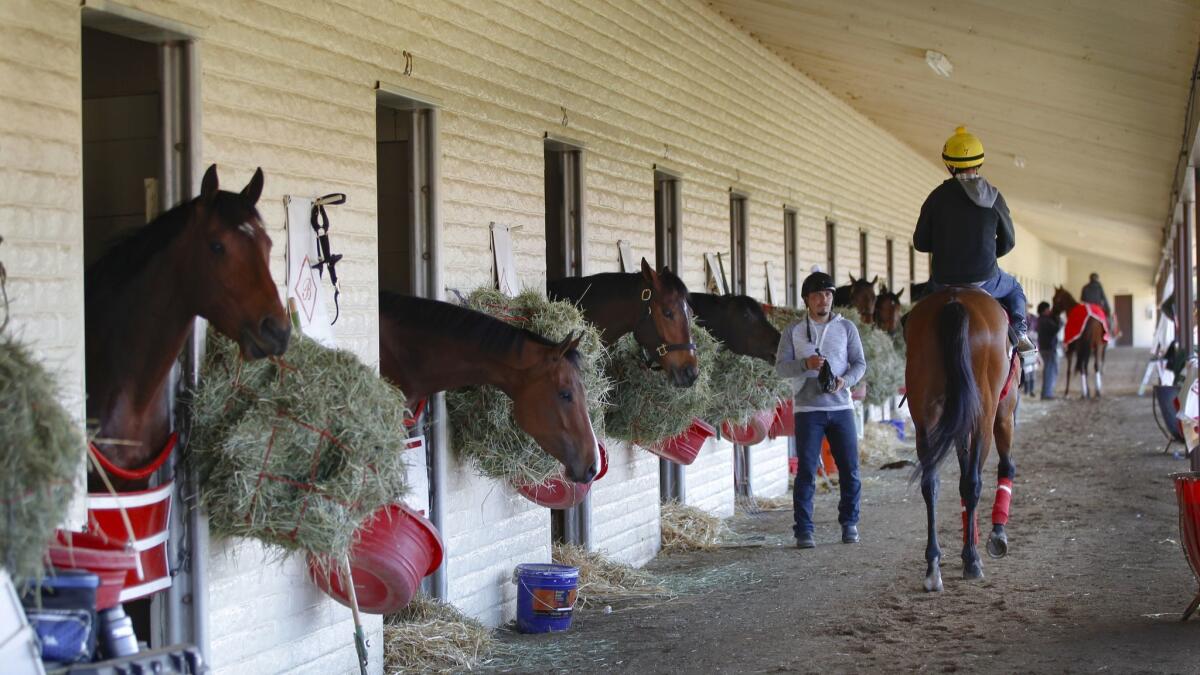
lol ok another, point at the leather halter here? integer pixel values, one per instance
(319, 221)
(664, 347)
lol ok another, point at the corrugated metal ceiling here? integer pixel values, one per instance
(1089, 96)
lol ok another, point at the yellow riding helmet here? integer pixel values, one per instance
(962, 150)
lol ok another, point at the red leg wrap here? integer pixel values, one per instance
(1003, 499)
(964, 519)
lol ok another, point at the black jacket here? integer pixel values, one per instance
(1047, 332)
(1094, 293)
(965, 227)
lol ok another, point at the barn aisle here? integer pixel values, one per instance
(1095, 579)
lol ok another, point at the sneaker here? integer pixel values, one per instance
(849, 534)
(805, 541)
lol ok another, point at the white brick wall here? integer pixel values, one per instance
(769, 468)
(625, 506)
(489, 530)
(710, 479)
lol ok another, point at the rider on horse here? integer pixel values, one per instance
(965, 224)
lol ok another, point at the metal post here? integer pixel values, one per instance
(439, 441)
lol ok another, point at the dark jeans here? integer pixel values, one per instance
(1008, 292)
(811, 427)
(1049, 372)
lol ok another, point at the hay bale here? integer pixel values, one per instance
(484, 429)
(429, 636)
(296, 451)
(602, 581)
(885, 363)
(687, 528)
(742, 386)
(645, 407)
(40, 451)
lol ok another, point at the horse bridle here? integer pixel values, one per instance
(320, 225)
(664, 347)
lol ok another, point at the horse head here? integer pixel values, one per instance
(860, 294)
(887, 310)
(665, 330)
(226, 268)
(551, 405)
(738, 322)
(1062, 301)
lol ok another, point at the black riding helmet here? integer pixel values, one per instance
(817, 281)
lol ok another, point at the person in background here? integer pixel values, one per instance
(1048, 326)
(1029, 366)
(822, 356)
(1093, 292)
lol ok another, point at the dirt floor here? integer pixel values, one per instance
(1095, 579)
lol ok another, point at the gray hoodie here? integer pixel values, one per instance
(841, 347)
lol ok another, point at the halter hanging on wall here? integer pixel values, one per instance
(320, 225)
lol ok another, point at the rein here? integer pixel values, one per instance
(320, 224)
(664, 347)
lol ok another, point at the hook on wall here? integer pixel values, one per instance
(564, 114)
(408, 62)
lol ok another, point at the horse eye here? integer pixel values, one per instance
(217, 247)
(669, 314)
(565, 395)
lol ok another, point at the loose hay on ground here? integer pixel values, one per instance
(485, 431)
(296, 451)
(687, 528)
(603, 581)
(40, 451)
(645, 407)
(431, 636)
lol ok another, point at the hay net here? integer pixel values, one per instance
(646, 408)
(885, 363)
(485, 432)
(743, 386)
(296, 451)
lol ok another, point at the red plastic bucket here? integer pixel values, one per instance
(684, 448)
(1187, 491)
(149, 514)
(784, 423)
(753, 431)
(111, 566)
(397, 547)
(559, 493)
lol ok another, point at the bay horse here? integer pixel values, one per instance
(957, 374)
(427, 346)
(738, 322)
(887, 311)
(207, 257)
(859, 294)
(921, 291)
(1090, 345)
(652, 305)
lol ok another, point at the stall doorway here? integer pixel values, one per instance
(565, 258)
(139, 139)
(668, 238)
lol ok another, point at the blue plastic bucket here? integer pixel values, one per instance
(545, 597)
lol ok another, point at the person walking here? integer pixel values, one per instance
(822, 356)
(1048, 326)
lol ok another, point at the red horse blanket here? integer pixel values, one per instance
(1077, 317)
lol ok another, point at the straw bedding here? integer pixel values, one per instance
(687, 528)
(646, 407)
(604, 582)
(429, 636)
(40, 451)
(485, 432)
(296, 451)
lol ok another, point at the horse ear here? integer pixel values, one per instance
(648, 274)
(900, 293)
(570, 342)
(253, 189)
(875, 280)
(210, 185)
(852, 279)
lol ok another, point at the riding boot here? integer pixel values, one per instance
(1025, 348)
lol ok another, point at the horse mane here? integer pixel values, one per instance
(130, 253)
(494, 335)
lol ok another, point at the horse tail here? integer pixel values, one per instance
(1084, 351)
(961, 408)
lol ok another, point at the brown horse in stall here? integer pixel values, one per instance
(961, 394)
(888, 311)
(738, 322)
(206, 257)
(1088, 346)
(653, 306)
(859, 294)
(426, 346)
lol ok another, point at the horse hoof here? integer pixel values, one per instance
(972, 571)
(997, 547)
(933, 584)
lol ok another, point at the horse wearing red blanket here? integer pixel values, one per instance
(1086, 334)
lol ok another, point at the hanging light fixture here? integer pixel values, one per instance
(938, 62)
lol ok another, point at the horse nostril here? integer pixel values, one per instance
(276, 332)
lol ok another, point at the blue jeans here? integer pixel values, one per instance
(1005, 288)
(811, 427)
(1049, 372)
